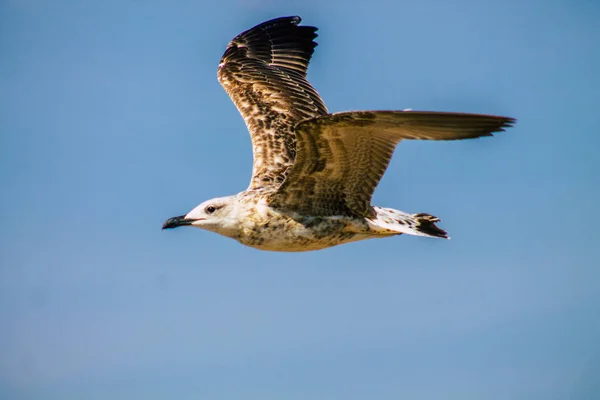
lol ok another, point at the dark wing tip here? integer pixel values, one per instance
(509, 122)
(282, 27)
(468, 126)
(506, 122)
(501, 124)
(279, 42)
(295, 20)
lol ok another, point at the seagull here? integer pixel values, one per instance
(314, 173)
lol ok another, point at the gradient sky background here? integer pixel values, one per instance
(112, 120)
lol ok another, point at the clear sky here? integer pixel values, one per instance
(112, 120)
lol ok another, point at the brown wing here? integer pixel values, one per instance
(264, 72)
(341, 157)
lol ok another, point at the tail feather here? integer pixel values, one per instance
(393, 222)
(426, 224)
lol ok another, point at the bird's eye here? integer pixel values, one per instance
(210, 209)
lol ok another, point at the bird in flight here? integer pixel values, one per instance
(314, 173)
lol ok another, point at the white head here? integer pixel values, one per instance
(217, 215)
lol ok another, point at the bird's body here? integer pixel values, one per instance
(314, 173)
(253, 222)
(266, 228)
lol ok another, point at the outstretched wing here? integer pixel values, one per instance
(341, 157)
(264, 72)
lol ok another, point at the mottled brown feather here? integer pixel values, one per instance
(264, 72)
(309, 161)
(340, 158)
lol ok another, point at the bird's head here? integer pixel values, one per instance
(217, 215)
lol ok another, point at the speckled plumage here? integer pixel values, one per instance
(263, 70)
(314, 173)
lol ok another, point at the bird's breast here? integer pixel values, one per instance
(278, 231)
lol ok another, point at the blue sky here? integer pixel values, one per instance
(112, 120)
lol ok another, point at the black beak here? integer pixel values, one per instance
(177, 221)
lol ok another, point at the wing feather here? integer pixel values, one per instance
(264, 72)
(340, 158)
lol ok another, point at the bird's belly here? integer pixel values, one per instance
(294, 235)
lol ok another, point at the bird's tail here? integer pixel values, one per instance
(392, 222)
